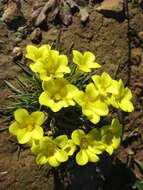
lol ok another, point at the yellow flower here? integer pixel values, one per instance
(92, 107)
(110, 135)
(122, 99)
(37, 54)
(85, 62)
(89, 144)
(70, 147)
(27, 126)
(53, 65)
(50, 151)
(58, 93)
(105, 86)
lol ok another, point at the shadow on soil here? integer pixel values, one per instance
(109, 174)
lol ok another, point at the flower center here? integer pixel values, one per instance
(57, 97)
(30, 127)
(29, 123)
(84, 143)
(109, 138)
(49, 149)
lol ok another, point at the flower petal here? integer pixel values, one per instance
(31, 52)
(81, 157)
(77, 57)
(44, 99)
(61, 155)
(94, 134)
(92, 157)
(101, 108)
(79, 97)
(70, 148)
(23, 136)
(126, 105)
(61, 140)
(37, 133)
(77, 135)
(39, 117)
(14, 128)
(109, 149)
(53, 161)
(94, 118)
(41, 159)
(20, 115)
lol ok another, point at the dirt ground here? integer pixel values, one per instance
(117, 41)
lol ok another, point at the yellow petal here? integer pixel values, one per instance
(94, 118)
(114, 102)
(57, 106)
(106, 79)
(87, 111)
(77, 57)
(94, 134)
(128, 94)
(53, 161)
(116, 142)
(61, 140)
(77, 135)
(37, 67)
(96, 79)
(44, 50)
(91, 92)
(98, 147)
(31, 52)
(101, 108)
(113, 88)
(92, 157)
(72, 91)
(23, 136)
(61, 155)
(37, 133)
(20, 115)
(39, 117)
(70, 148)
(14, 128)
(41, 159)
(79, 97)
(44, 99)
(81, 157)
(109, 149)
(126, 105)
(89, 59)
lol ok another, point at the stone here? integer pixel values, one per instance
(12, 15)
(36, 36)
(111, 5)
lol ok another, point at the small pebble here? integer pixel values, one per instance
(140, 35)
(17, 53)
(36, 36)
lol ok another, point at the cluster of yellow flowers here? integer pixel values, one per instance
(27, 128)
(58, 93)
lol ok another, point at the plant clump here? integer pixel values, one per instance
(63, 87)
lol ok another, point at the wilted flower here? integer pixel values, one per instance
(111, 135)
(50, 151)
(85, 62)
(58, 94)
(27, 126)
(89, 144)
